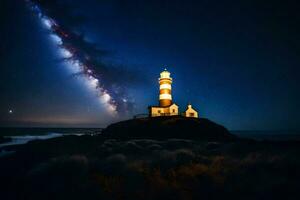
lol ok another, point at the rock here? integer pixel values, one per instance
(169, 127)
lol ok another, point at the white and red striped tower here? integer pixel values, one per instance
(165, 81)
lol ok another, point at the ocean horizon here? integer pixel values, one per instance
(33, 133)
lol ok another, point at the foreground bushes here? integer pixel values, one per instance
(150, 169)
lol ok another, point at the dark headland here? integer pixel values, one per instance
(169, 127)
(152, 158)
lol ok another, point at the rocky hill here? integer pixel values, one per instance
(169, 127)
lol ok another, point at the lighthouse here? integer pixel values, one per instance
(166, 106)
(165, 89)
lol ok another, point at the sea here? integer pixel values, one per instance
(272, 135)
(24, 135)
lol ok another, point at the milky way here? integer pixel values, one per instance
(83, 58)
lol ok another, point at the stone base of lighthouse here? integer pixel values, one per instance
(157, 111)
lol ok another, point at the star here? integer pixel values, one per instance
(10, 111)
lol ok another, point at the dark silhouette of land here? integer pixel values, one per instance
(127, 163)
(169, 127)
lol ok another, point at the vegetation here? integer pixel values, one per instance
(91, 167)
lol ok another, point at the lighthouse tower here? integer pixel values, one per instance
(165, 88)
(166, 106)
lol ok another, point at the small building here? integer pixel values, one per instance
(166, 106)
(190, 112)
(156, 111)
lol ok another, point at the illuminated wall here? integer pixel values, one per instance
(164, 111)
(165, 89)
(190, 112)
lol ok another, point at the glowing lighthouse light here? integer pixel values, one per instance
(165, 81)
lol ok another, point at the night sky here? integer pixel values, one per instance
(237, 62)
